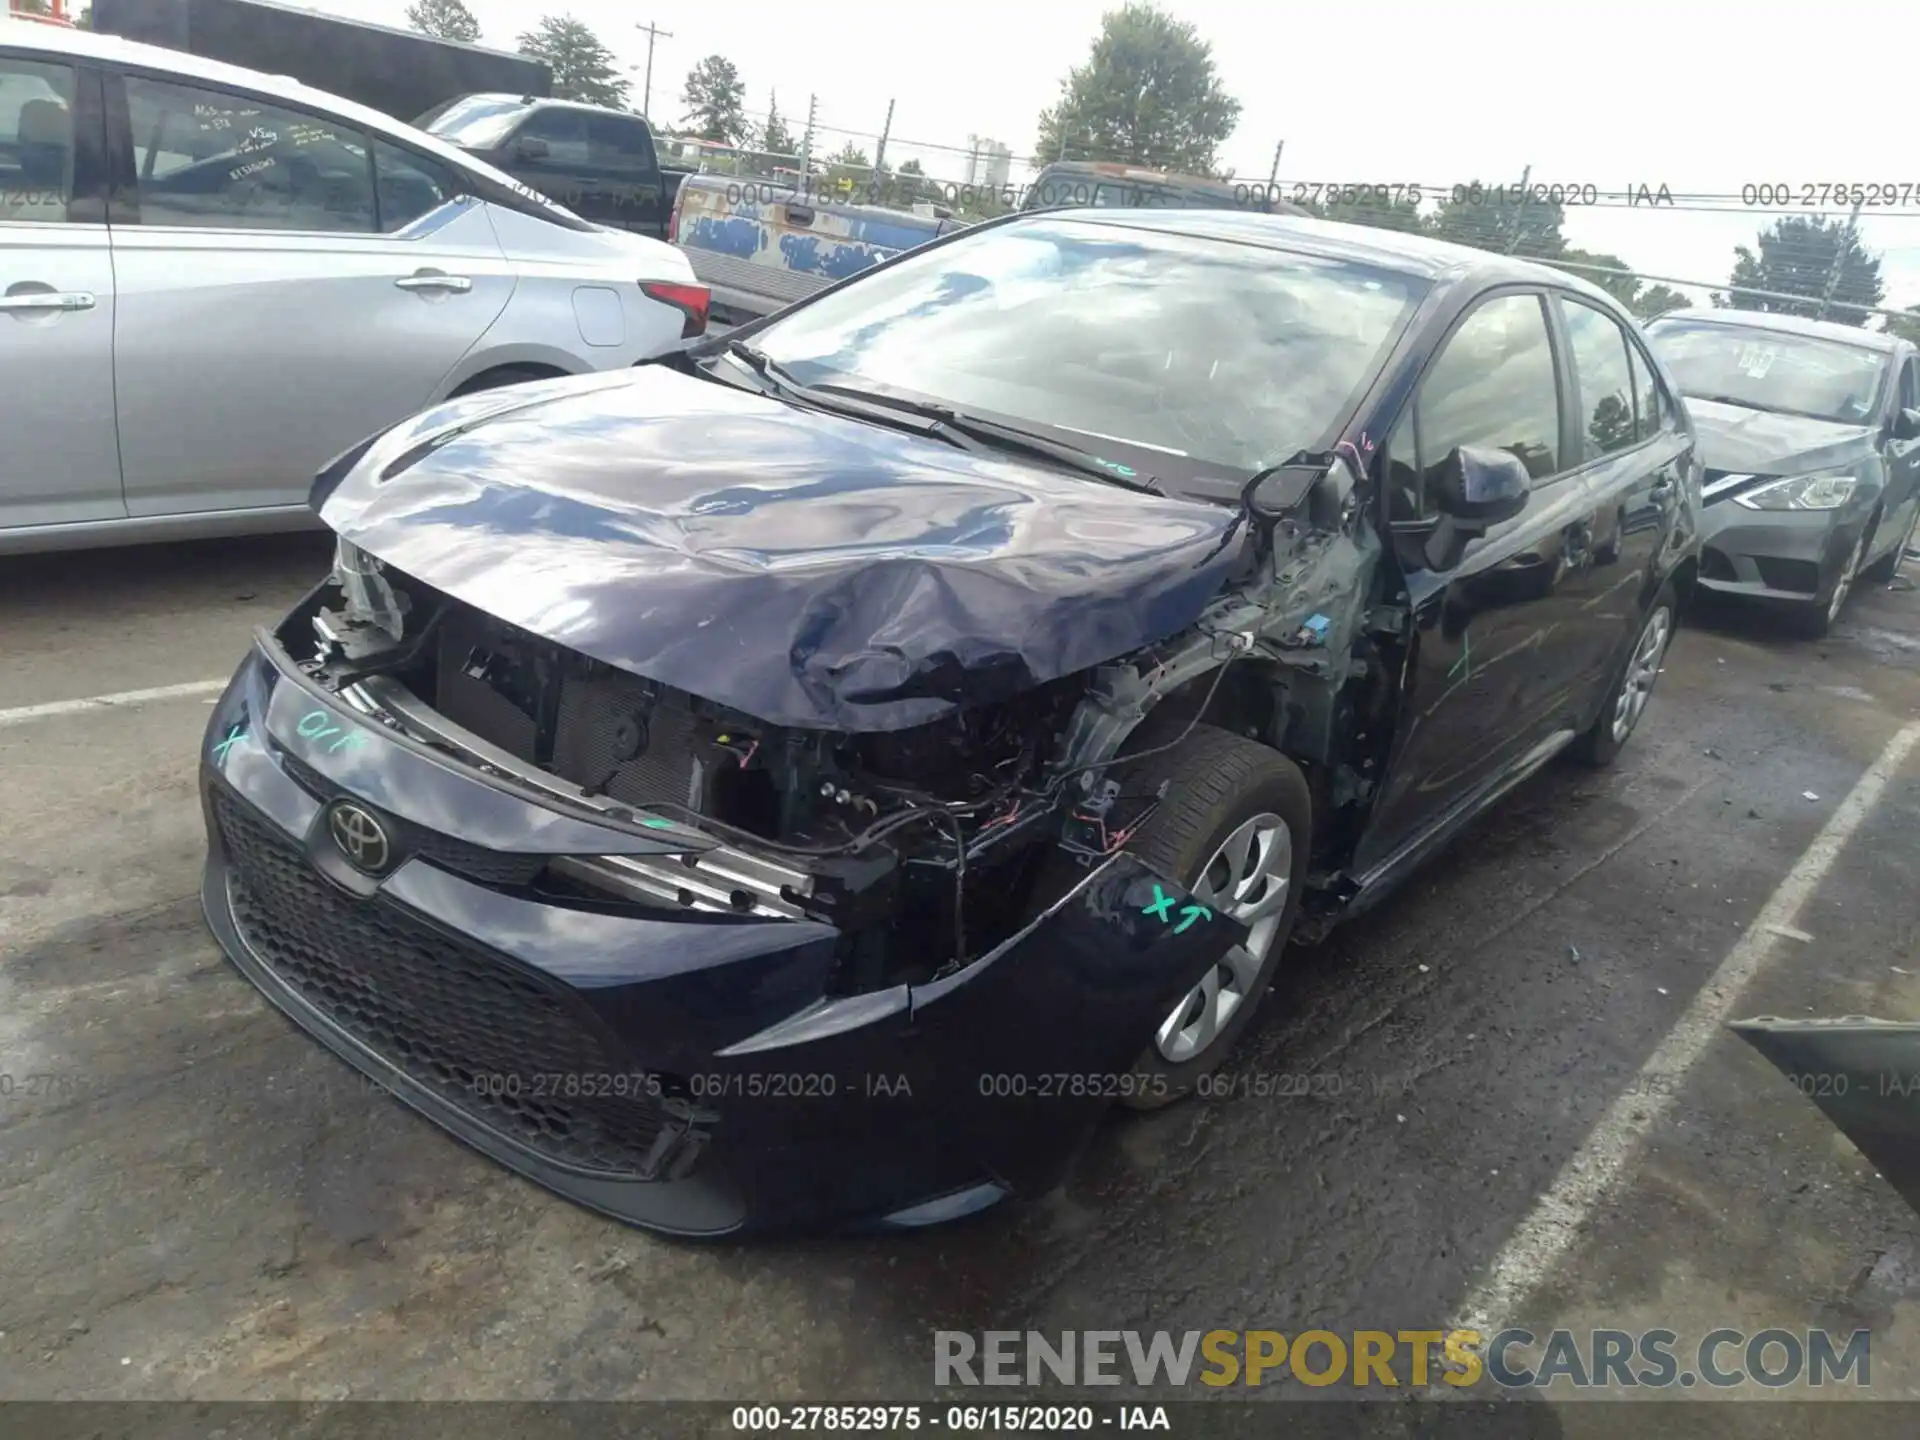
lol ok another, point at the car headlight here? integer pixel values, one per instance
(1800, 492)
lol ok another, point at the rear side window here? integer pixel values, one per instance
(36, 141)
(1603, 377)
(1493, 387)
(213, 158)
(410, 185)
(614, 143)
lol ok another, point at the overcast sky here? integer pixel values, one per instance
(1700, 95)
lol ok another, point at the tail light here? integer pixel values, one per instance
(690, 300)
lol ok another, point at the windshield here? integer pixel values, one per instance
(477, 122)
(1772, 370)
(1224, 355)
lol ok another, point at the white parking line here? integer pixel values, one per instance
(1560, 1215)
(53, 708)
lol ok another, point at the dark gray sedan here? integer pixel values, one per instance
(1810, 432)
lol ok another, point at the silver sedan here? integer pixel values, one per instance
(212, 281)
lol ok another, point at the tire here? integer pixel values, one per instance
(1218, 785)
(1888, 565)
(1632, 687)
(1812, 621)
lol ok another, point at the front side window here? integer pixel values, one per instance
(1493, 387)
(1778, 370)
(614, 143)
(563, 132)
(1203, 354)
(36, 141)
(211, 158)
(1603, 372)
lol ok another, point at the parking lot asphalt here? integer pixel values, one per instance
(201, 1203)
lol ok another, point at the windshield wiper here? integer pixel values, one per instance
(1010, 437)
(780, 382)
(1735, 400)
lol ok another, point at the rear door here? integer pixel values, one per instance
(1492, 658)
(1634, 462)
(59, 462)
(621, 154)
(288, 287)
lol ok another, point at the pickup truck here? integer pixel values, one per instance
(760, 245)
(598, 162)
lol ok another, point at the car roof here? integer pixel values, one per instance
(1440, 261)
(67, 44)
(548, 102)
(1790, 325)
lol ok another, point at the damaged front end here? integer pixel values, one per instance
(843, 927)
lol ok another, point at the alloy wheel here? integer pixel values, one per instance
(1642, 670)
(1246, 879)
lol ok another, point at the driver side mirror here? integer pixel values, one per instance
(1906, 425)
(531, 147)
(1478, 488)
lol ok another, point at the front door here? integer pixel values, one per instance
(283, 295)
(1491, 654)
(59, 462)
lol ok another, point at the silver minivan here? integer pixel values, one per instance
(212, 281)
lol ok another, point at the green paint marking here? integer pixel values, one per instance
(1465, 662)
(1162, 907)
(657, 824)
(1192, 913)
(234, 737)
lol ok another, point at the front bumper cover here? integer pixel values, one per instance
(767, 1102)
(1778, 555)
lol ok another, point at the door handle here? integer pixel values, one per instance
(457, 284)
(45, 301)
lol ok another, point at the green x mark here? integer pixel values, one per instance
(1162, 910)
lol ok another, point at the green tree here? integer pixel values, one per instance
(84, 20)
(1148, 95)
(583, 68)
(1382, 212)
(1906, 325)
(1484, 217)
(715, 98)
(1799, 255)
(444, 20)
(1658, 300)
(1609, 272)
(33, 7)
(775, 138)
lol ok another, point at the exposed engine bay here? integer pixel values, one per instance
(953, 828)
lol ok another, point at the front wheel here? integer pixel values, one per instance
(1627, 700)
(1235, 827)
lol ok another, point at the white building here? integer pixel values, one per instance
(989, 163)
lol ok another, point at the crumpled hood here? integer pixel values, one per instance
(1763, 442)
(803, 568)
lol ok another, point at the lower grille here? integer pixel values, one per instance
(1716, 566)
(516, 1052)
(1799, 576)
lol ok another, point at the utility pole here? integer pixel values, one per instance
(653, 32)
(1519, 226)
(880, 154)
(1273, 176)
(1839, 257)
(806, 147)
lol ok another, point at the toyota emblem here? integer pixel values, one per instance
(361, 838)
